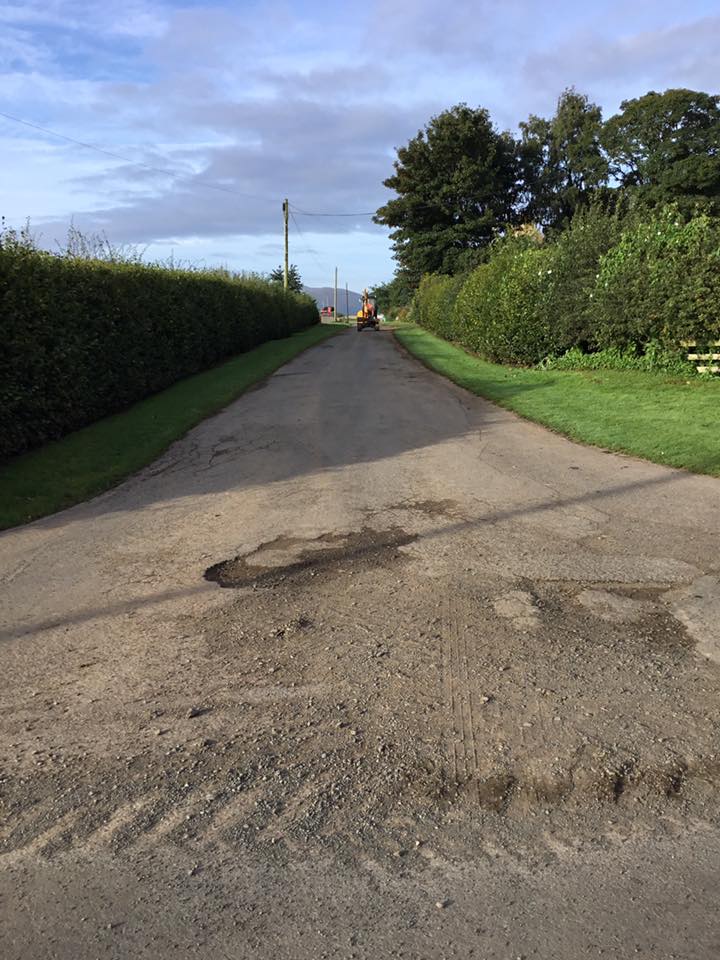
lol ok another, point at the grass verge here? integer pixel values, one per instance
(99, 456)
(660, 417)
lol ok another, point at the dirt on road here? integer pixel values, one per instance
(365, 667)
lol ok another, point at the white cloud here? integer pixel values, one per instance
(135, 18)
(306, 101)
(621, 67)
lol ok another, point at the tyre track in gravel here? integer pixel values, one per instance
(465, 769)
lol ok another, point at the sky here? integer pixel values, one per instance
(220, 110)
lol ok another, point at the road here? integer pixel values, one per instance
(365, 667)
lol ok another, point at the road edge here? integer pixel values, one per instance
(536, 422)
(38, 484)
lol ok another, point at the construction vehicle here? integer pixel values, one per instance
(367, 314)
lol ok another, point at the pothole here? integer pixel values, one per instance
(329, 555)
(697, 607)
(518, 606)
(615, 607)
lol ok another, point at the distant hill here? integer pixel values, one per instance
(323, 296)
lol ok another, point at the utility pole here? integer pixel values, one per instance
(335, 300)
(286, 266)
(347, 302)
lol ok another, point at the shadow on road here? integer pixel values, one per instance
(355, 550)
(353, 399)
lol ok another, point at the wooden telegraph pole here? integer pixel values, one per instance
(347, 302)
(286, 265)
(335, 300)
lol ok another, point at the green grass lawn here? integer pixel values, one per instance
(99, 456)
(659, 417)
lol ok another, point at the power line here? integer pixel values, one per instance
(134, 163)
(309, 248)
(169, 173)
(305, 213)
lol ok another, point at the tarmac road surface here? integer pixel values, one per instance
(365, 667)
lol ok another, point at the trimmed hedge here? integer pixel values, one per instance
(660, 282)
(578, 252)
(82, 339)
(503, 310)
(633, 288)
(434, 303)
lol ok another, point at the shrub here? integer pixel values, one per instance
(433, 304)
(624, 288)
(660, 282)
(503, 309)
(83, 339)
(578, 250)
(654, 359)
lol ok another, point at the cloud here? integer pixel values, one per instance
(353, 83)
(479, 29)
(305, 100)
(38, 87)
(18, 51)
(134, 17)
(325, 158)
(616, 68)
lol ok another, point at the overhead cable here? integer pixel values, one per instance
(305, 213)
(169, 173)
(134, 163)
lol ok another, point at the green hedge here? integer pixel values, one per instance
(82, 339)
(637, 285)
(660, 282)
(578, 252)
(503, 309)
(433, 305)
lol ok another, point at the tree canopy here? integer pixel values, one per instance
(294, 282)
(456, 185)
(460, 183)
(563, 161)
(666, 146)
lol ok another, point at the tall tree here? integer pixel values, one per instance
(666, 146)
(457, 185)
(294, 282)
(562, 158)
(394, 294)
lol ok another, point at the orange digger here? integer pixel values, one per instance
(367, 314)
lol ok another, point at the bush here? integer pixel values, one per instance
(83, 339)
(613, 290)
(660, 282)
(654, 359)
(503, 309)
(578, 250)
(433, 304)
